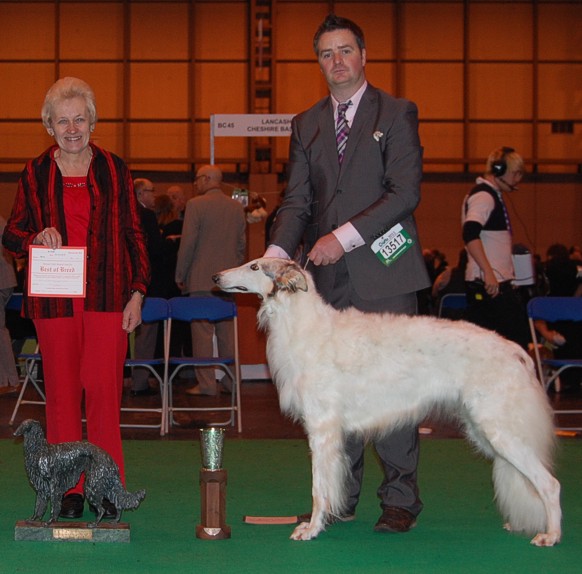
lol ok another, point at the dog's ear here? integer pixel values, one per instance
(25, 426)
(289, 277)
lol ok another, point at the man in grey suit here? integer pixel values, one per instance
(353, 202)
(213, 239)
(146, 334)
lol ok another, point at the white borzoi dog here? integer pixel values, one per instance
(400, 369)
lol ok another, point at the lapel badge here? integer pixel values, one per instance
(377, 136)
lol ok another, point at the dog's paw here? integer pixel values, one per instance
(33, 520)
(306, 531)
(546, 539)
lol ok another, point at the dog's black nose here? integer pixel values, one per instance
(216, 278)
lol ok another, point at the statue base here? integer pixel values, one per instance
(71, 532)
(213, 506)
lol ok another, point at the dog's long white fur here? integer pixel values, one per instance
(346, 371)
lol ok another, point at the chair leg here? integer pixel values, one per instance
(170, 420)
(238, 404)
(235, 418)
(164, 422)
(163, 413)
(29, 377)
(18, 401)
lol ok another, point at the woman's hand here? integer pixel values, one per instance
(132, 313)
(49, 237)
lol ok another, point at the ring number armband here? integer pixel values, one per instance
(394, 243)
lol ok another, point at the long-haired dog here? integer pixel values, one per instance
(342, 372)
(52, 469)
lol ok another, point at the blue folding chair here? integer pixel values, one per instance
(553, 309)
(212, 309)
(452, 305)
(154, 309)
(30, 362)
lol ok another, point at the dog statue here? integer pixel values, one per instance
(53, 469)
(400, 369)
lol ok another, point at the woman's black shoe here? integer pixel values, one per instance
(72, 506)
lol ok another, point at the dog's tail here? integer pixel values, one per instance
(125, 500)
(517, 499)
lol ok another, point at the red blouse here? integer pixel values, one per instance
(77, 204)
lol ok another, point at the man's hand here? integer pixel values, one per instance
(327, 250)
(477, 251)
(491, 284)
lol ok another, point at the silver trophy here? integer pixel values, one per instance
(212, 445)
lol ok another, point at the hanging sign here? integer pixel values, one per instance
(251, 125)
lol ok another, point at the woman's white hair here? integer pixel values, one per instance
(64, 89)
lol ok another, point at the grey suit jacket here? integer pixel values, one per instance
(376, 187)
(213, 239)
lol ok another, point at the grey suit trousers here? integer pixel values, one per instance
(398, 451)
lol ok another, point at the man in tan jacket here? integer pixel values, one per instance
(213, 239)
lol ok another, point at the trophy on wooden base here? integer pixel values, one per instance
(213, 480)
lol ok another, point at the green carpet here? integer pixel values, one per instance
(459, 530)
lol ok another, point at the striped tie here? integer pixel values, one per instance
(342, 130)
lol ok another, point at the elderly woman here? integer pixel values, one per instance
(77, 194)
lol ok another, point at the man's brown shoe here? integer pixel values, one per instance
(395, 519)
(9, 390)
(197, 392)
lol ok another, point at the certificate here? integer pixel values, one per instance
(56, 272)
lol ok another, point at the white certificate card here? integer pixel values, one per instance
(56, 272)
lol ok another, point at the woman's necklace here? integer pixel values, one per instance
(75, 184)
(79, 172)
(75, 170)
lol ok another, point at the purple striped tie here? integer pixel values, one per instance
(342, 130)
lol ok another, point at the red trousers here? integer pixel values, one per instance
(84, 354)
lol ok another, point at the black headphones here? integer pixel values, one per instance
(499, 166)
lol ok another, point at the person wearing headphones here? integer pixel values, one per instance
(493, 301)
